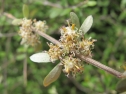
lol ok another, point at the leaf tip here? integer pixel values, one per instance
(91, 17)
(45, 84)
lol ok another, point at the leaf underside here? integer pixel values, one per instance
(53, 75)
(42, 57)
(86, 24)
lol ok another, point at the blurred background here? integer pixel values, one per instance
(19, 75)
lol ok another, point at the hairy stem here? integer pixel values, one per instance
(100, 65)
(87, 59)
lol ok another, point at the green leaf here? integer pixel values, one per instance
(75, 20)
(91, 3)
(53, 75)
(121, 86)
(86, 24)
(25, 11)
(16, 21)
(65, 12)
(55, 12)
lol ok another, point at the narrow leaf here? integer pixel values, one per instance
(42, 57)
(25, 11)
(53, 75)
(16, 21)
(121, 86)
(75, 20)
(86, 24)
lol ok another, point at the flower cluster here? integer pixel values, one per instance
(72, 42)
(26, 32)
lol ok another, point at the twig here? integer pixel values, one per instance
(8, 35)
(57, 5)
(9, 15)
(100, 65)
(47, 3)
(25, 71)
(5, 73)
(47, 37)
(78, 5)
(89, 60)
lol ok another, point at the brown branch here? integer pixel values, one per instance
(57, 5)
(89, 60)
(25, 71)
(9, 15)
(47, 3)
(78, 5)
(5, 73)
(8, 34)
(47, 37)
(100, 65)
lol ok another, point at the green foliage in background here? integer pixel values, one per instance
(109, 28)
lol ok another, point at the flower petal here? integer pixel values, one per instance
(86, 24)
(53, 75)
(42, 57)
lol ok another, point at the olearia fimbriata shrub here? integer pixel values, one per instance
(72, 41)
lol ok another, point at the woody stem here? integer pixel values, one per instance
(83, 58)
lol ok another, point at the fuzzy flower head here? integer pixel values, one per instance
(69, 33)
(72, 41)
(85, 46)
(26, 22)
(29, 37)
(41, 26)
(55, 52)
(72, 65)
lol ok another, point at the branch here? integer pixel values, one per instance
(87, 59)
(25, 71)
(8, 35)
(58, 5)
(9, 15)
(47, 3)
